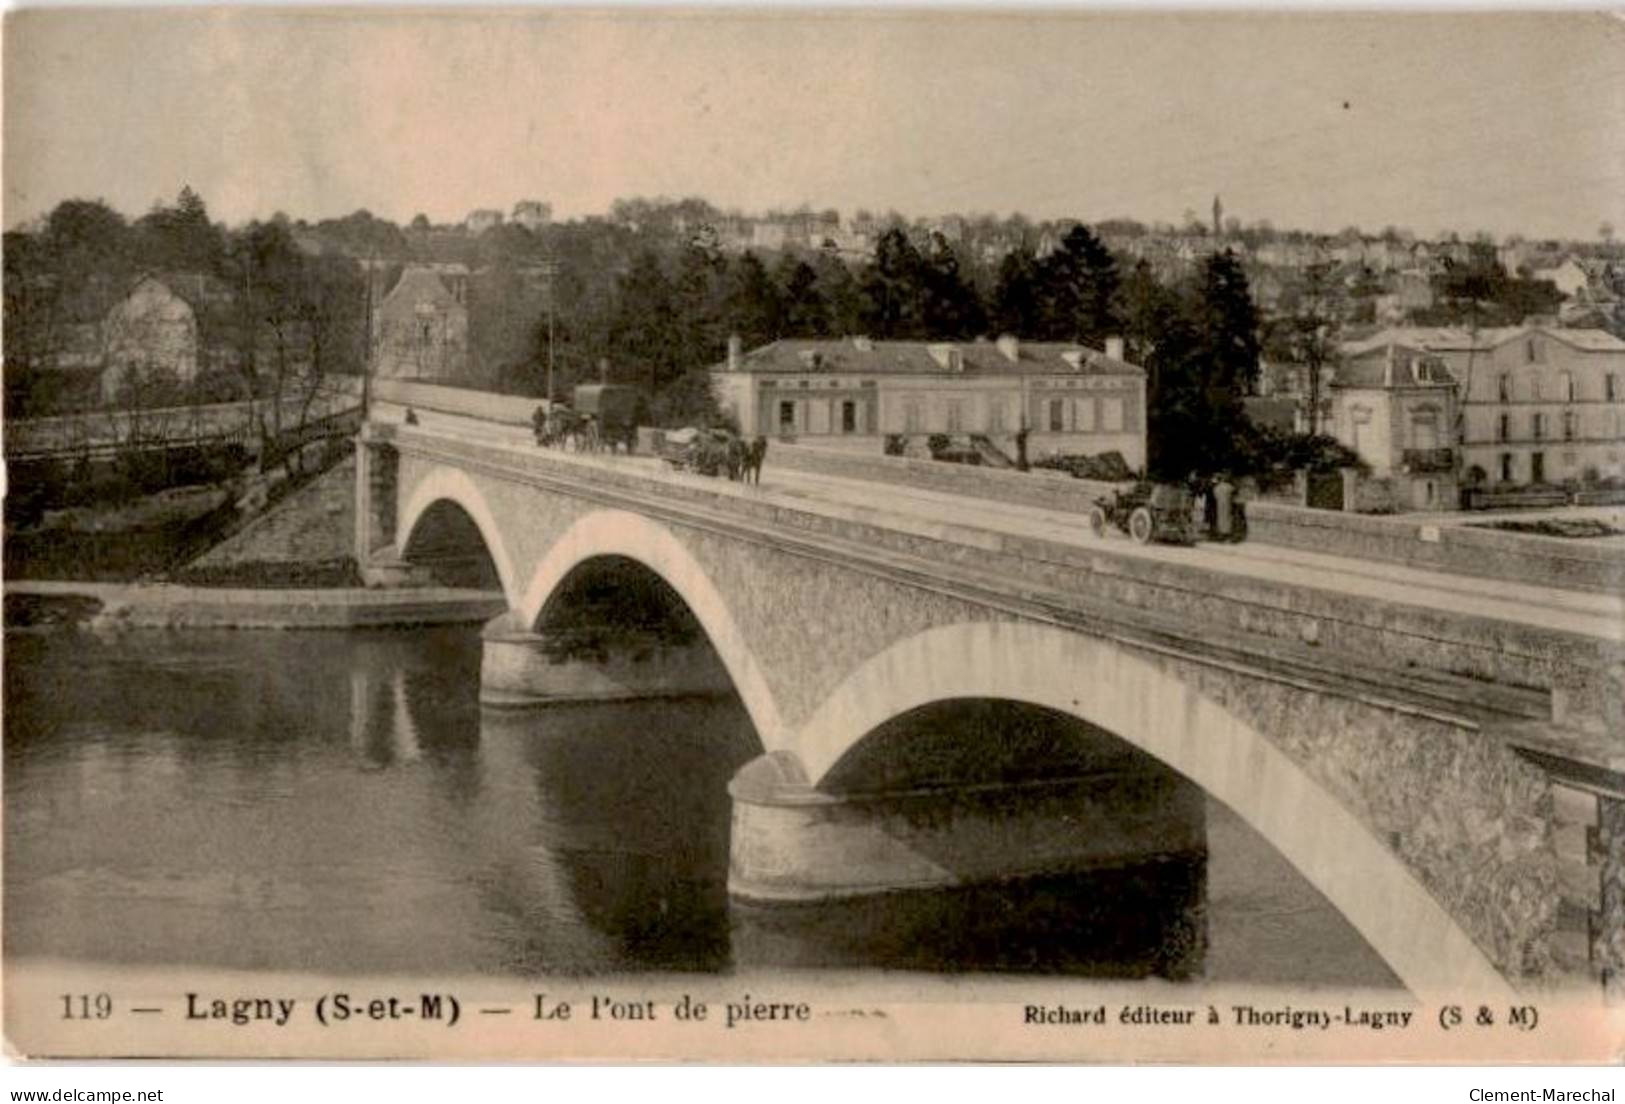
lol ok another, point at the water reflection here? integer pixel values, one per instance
(340, 802)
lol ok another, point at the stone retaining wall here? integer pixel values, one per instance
(1517, 557)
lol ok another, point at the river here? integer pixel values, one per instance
(340, 803)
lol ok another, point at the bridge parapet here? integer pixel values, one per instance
(1508, 666)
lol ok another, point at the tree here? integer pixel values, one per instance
(1017, 307)
(181, 237)
(839, 290)
(892, 287)
(1078, 285)
(701, 333)
(1312, 332)
(805, 313)
(1228, 323)
(1202, 363)
(751, 305)
(643, 330)
(1144, 306)
(949, 305)
(503, 313)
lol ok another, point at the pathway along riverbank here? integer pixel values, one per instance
(165, 606)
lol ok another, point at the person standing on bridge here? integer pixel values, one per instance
(1224, 501)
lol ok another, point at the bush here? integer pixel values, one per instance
(1267, 451)
(938, 442)
(1108, 467)
(895, 444)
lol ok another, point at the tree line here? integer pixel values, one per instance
(650, 302)
(666, 320)
(269, 314)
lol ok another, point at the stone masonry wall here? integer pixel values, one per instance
(313, 524)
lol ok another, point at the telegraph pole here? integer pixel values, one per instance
(366, 350)
(550, 268)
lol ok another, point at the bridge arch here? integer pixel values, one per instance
(450, 485)
(653, 546)
(1161, 714)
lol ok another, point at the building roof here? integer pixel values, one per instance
(1407, 370)
(1449, 339)
(418, 284)
(977, 358)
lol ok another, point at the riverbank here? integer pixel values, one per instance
(165, 606)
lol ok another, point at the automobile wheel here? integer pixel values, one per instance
(1141, 525)
(1097, 521)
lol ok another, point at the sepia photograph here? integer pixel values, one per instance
(748, 535)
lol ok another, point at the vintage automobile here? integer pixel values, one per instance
(1148, 512)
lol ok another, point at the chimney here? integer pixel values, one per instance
(1010, 346)
(734, 348)
(1114, 348)
(1074, 359)
(946, 355)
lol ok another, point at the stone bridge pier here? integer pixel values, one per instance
(933, 713)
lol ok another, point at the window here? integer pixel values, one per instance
(849, 416)
(911, 416)
(1537, 425)
(956, 416)
(1537, 467)
(787, 416)
(1425, 429)
(1506, 467)
(1111, 415)
(1057, 417)
(1610, 384)
(1532, 350)
(1504, 387)
(1360, 422)
(1570, 425)
(1565, 384)
(1503, 427)
(1083, 414)
(995, 414)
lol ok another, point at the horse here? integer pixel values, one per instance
(755, 453)
(738, 453)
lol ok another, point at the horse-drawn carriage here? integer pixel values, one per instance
(703, 451)
(600, 416)
(614, 410)
(711, 452)
(1148, 512)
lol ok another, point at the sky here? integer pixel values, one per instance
(1510, 123)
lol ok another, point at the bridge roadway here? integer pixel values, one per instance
(1598, 616)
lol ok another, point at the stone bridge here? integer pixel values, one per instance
(945, 699)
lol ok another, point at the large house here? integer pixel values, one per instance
(1070, 399)
(1398, 411)
(1539, 404)
(420, 329)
